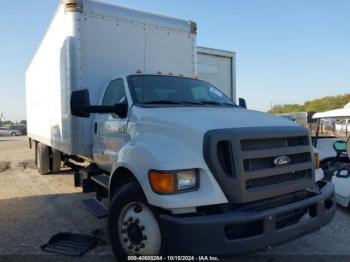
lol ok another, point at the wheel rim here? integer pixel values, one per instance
(139, 230)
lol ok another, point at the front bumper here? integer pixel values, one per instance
(208, 235)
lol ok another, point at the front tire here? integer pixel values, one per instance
(133, 225)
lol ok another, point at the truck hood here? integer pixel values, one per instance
(203, 119)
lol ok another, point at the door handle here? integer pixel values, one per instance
(95, 128)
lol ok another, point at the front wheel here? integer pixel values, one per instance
(133, 225)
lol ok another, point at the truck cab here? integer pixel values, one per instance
(207, 166)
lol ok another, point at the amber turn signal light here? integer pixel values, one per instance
(317, 160)
(162, 183)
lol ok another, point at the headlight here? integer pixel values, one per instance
(170, 182)
(186, 180)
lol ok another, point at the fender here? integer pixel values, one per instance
(154, 151)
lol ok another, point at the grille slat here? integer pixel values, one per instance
(268, 162)
(277, 171)
(268, 152)
(278, 179)
(273, 142)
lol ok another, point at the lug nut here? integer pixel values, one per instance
(123, 231)
(138, 209)
(125, 240)
(125, 223)
(131, 247)
(137, 249)
(142, 246)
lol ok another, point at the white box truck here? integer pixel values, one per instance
(114, 93)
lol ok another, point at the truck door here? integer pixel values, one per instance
(109, 130)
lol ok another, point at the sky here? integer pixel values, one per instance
(288, 51)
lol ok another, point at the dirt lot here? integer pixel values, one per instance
(33, 208)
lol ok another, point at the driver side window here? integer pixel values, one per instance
(115, 93)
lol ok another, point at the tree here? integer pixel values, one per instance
(287, 108)
(316, 105)
(7, 122)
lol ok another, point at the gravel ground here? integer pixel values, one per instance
(33, 208)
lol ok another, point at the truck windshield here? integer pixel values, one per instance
(171, 90)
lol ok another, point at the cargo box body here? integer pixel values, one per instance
(85, 50)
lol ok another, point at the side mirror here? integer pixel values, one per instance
(80, 106)
(340, 146)
(79, 103)
(242, 103)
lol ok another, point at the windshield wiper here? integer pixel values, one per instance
(163, 102)
(170, 102)
(205, 102)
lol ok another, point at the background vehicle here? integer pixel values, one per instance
(218, 67)
(12, 131)
(304, 119)
(185, 169)
(334, 156)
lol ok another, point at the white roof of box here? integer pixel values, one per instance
(99, 8)
(342, 112)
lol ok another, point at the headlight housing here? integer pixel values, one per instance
(172, 182)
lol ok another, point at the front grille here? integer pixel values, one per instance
(243, 160)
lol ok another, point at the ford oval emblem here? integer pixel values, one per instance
(282, 161)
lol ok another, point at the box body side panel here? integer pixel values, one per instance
(47, 91)
(113, 47)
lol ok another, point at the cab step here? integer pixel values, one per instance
(102, 180)
(95, 207)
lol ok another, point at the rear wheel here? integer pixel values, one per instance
(133, 224)
(43, 158)
(56, 161)
(13, 134)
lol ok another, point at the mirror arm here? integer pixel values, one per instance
(117, 109)
(101, 109)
